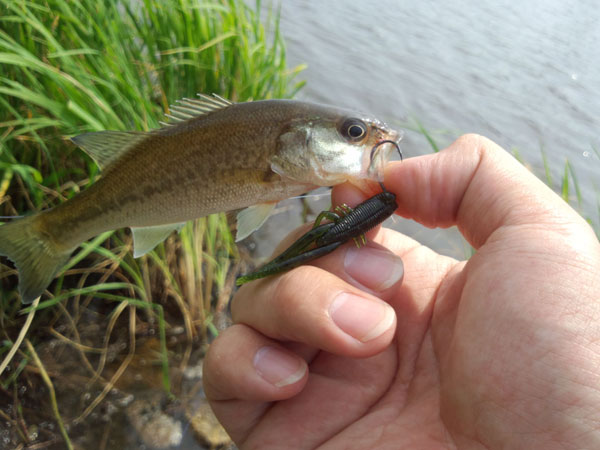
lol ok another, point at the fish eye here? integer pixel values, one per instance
(353, 129)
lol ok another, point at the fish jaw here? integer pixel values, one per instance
(356, 163)
(370, 165)
(374, 163)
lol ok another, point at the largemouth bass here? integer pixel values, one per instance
(214, 156)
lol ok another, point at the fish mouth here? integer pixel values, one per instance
(380, 153)
(378, 144)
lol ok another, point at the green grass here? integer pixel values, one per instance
(71, 67)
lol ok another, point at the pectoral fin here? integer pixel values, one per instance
(146, 238)
(277, 168)
(251, 219)
(293, 157)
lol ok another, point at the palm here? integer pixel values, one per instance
(454, 345)
(390, 397)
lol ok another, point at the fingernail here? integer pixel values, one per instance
(361, 318)
(374, 268)
(277, 367)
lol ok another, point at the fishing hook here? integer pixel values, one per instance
(379, 144)
(386, 141)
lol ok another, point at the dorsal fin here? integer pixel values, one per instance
(188, 108)
(106, 146)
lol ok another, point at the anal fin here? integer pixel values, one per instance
(146, 238)
(252, 218)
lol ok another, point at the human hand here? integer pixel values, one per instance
(500, 351)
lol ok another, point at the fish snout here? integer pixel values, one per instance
(392, 135)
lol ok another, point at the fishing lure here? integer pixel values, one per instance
(345, 223)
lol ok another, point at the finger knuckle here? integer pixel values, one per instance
(294, 288)
(290, 283)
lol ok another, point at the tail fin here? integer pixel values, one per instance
(36, 257)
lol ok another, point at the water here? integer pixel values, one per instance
(525, 74)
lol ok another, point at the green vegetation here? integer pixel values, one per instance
(70, 67)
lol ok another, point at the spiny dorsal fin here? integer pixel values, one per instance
(188, 108)
(106, 146)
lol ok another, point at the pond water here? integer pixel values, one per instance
(525, 74)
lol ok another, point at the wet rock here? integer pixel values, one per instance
(207, 428)
(222, 320)
(155, 428)
(193, 372)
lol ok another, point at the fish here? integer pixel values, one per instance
(212, 156)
